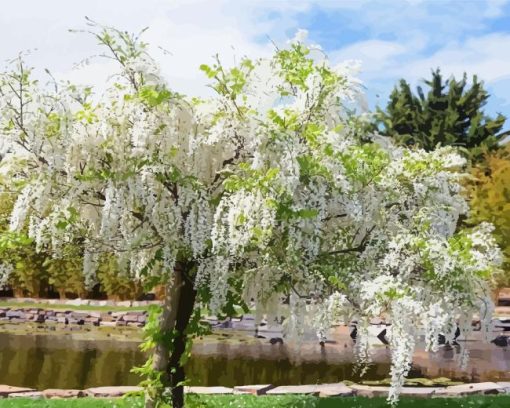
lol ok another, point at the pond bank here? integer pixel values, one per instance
(131, 318)
(317, 390)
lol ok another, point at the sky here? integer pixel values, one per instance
(392, 39)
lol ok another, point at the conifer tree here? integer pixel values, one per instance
(449, 114)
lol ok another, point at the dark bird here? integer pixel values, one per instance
(382, 337)
(500, 341)
(354, 333)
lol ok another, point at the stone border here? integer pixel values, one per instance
(138, 318)
(92, 318)
(319, 390)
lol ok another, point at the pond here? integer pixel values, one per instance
(69, 360)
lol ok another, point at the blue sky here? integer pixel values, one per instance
(399, 39)
(393, 39)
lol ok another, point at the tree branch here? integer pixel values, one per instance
(359, 248)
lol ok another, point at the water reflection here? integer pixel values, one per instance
(42, 361)
(61, 361)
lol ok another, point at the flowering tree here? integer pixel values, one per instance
(273, 187)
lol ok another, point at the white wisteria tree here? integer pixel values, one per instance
(271, 188)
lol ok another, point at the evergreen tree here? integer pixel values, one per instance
(451, 113)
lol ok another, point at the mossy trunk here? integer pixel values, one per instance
(178, 304)
(175, 371)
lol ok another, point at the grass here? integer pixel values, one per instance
(35, 305)
(64, 403)
(355, 402)
(84, 308)
(248, 401)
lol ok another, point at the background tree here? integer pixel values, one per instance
(65, 272)
(449, 114)
(263, 191)
(490, 202)
(38, 272)
(114, 280)
(23, 266)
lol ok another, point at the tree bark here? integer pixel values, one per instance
(175, 370)
(61, 293)
(178, 305)
(495, 295)
(167, 320)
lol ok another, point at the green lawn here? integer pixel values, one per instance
(268, 402)
(84, 308)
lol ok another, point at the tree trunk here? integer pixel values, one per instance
(495, 295)
(175, 370)
(61, 293)
(18, 292)
(178, 305)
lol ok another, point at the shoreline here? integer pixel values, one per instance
(341, 389)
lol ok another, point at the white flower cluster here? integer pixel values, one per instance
(5, 271)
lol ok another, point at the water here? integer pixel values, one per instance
(58, 361)
(53, 361)
(65, 361)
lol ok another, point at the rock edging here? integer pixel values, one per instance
(92, 318)
(319, 390)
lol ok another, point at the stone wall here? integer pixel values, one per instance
(93, 318)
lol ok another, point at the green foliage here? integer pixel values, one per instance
(296, 65)
(117, 284)
(65, 274)
(228, 82)
(251, 179)
(490, 201)
(365, 163)
(34, 271)
(451, 113)
(152, 335)
(154, 96)
(28, 276)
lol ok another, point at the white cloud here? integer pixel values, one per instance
(495, 8)
(486, 56)
(373, 54)
(384, 62)
(194, 44)
(193, 31)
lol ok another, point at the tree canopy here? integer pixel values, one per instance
(490, 201)
(268, 189)
(449, 114)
